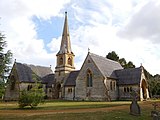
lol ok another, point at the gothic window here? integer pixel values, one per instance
(130, 89)
(125, 89)
(29, 87)
(50, 90)
(69, 61)
(61, 61)
(69, 90)
(12, 85)
(111, 86)
(114, 85)
(89, 78)
(12, 82)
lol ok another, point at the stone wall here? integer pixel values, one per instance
(112, 88)
(12, 94)
(69, 93)
(97, 91)
(125, 90)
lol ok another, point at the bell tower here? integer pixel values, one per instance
(65, 56)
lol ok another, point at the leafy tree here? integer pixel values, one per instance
(112, 56)
(2, 88)
(130, 65)
(123, 62)
(31, 98)
(5, 61)
(154, 84)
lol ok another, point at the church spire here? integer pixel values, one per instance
(65, 43)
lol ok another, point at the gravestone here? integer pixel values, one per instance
(134, 107)
(155, 114)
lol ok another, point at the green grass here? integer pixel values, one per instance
(122, 114)
(62, 105)
(114, 115)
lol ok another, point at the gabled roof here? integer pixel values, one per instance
(48, 80)
(26, 73)
(106, 66)
(71, 79)
(41, 71)
(129, 76)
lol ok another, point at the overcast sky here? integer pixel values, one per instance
(131, 28)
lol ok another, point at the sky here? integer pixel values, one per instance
(131, 28)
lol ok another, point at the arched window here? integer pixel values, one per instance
(12, 83)
(114, 85)
(69, 61)
(29, 87)
(61, 61)
(125, 89)
(130, 89)
(89, 78)
(111, 86)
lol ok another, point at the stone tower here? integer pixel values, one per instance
(65, 59)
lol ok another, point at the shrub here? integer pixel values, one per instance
(31, 98)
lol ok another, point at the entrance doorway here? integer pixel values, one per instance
(144, 89)
(58, 91)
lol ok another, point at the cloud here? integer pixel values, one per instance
(20, 30)
(144, 24)
(102, 26)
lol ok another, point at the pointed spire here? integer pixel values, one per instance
(65, 43)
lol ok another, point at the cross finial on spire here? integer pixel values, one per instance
(88, 50)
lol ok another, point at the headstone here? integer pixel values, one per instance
(155, 114)
(134, 107)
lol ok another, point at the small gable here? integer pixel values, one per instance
(49, 80)
(129, 76)
(71, 79)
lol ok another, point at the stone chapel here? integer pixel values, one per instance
(99, 78)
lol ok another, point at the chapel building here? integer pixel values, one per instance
(98, 79)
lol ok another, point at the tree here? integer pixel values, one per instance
(123, 62)
(112, 56)
(130, 65)
(5, 61)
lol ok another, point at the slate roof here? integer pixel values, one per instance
(71, 79)
(40, 70)
(48, 80)
(106, 66)
(129, 76)
(25, 73)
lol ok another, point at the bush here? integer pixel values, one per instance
(31, 98)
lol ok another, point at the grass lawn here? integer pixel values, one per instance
(66, 110)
